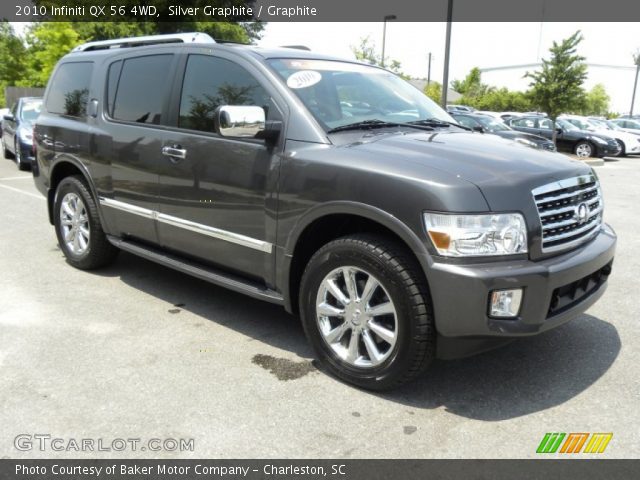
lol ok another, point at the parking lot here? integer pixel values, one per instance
(140, 351)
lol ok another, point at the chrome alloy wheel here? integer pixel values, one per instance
(583, 150)
(356, 317)
(74, 222)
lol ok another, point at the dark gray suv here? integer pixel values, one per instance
(330, 187)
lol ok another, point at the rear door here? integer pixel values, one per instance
(217, 198)
(131, 139)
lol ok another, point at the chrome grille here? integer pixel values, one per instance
(570, 211)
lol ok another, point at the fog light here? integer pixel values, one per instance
(505, 303)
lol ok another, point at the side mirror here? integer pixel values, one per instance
(478, 128)
(240, 121)
(559, 131)
(9, 117)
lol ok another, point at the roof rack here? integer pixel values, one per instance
(297, 47)
(193, 37)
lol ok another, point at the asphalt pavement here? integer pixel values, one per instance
(140, 351)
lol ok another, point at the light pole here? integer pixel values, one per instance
(384, 34)
(636, 60)
(445, 77)
(429, 71)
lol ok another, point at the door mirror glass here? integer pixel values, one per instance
(240, 121)
(8, 117)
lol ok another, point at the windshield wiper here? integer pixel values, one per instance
(436, 122)
(367, 124)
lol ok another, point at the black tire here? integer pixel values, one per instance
(623, 150)
(18, 156)
(99, 252)
(584, 146)
(400, 276)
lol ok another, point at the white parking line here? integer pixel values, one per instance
(39, 197)
(17, 178)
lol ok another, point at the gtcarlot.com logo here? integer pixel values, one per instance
(44, 442)
(574, 443)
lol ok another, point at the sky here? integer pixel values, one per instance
(483, 45)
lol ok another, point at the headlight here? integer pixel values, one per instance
(599, 140)
(526, 142)
(25, 135)
(477, 235)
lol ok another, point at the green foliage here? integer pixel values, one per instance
(596, 102)
(472, 85)
(434, 91)
(557, 87)
(46, 42)
(499, 100)
(12, 53)
(366, 52)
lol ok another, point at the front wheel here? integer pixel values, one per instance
(22, 165)
(78, 227)
(366, 311)
(583, 150)
(622, 148)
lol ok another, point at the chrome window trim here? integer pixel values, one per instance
(213, 232)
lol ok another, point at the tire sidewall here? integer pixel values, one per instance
(353, 254)
(588, 144)
(73, 185)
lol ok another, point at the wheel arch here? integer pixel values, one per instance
(329, 222)
(66, 167)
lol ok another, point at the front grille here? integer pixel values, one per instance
(570, 211)
(567, 296)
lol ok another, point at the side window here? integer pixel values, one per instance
(523, 122)
(210, 82)
(142, 89)
(69, 89)
(545, 124)
(467, 122)
(112, 84)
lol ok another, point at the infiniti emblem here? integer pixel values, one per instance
(582, 213)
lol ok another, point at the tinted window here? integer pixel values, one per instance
(546, 124)
(112, 84)
(523, 122)
(69, 90)
(142, 89)
(210, 82)
(466, 121)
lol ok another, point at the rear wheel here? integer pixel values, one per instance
(584, 149)
(366, 311)
(78, 227)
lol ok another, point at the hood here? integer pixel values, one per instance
(495, 165)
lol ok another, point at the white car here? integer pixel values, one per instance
(627, 124)
(629, 143)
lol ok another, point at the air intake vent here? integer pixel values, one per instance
(570, 212)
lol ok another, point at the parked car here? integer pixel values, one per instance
(486, 124)
(506, 116)
(569, 137)
(494, 115)
(394, 233)
(3, 112)
(627, 124)
(629, 143)
(17, 130)
(460, 108)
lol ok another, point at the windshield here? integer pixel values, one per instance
(341, 93)
(30, 110)
(492, 125)
(612, 126)
(582, 124)
(566, 125)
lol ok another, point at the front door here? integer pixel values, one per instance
(215, 194)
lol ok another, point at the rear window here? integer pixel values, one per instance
(142, 88)
(69, 90)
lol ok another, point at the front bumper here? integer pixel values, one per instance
(609, 150)
(461, 293)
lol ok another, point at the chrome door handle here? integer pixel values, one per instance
(174, 152)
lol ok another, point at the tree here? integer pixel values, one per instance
(472, 85)
(434, 91)
(366, 52)
(557, 87)
(596, 101)
(47, 42)
(12, 53)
